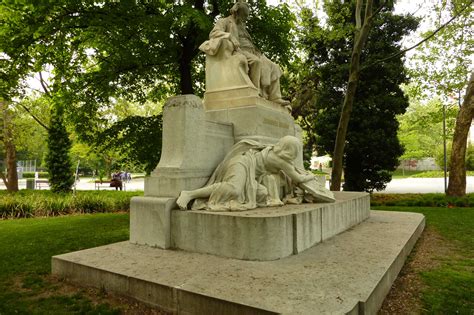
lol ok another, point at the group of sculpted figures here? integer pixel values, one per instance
(231, 32)
(253, 175)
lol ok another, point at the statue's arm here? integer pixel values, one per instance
(219, 34)
(287, 168)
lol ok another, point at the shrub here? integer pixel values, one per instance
(421, 200)
(32, 174)
(37, 203)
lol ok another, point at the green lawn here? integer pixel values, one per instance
(422, 174)
(28, 244)
(450, 286)
(26, 249)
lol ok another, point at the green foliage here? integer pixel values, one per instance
(421, 127)
(58, 162)
(138, 139)
(136, 50)
(372, 148)
(27, 247)
(29, 136)
(442, 64)
(28, 203)
(32, 175)
(421, 200)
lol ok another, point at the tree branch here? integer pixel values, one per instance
(44, 85)
(420, 42)
(33, 116)
(357, 14)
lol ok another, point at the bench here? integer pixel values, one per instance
(41, 183)
(104, 184)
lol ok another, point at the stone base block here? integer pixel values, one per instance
(256, 121)
(267, 233)
(350, 273)
(150, 221)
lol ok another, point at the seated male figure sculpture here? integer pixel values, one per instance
(264, 74)
(249, 177)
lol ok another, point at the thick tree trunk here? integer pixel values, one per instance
(360, 38)
(186, 83)
(11, 178)
(457, 173)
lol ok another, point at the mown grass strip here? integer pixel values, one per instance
(449, 287)
(26, 249)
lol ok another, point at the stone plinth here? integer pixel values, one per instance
(256, 119)
(350, 273)
(267, 233)
(192, 148)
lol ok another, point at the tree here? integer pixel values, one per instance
(371, 145)
(136, 139)
(58, 161)
(442, 66)
(11, 178)
(457, 174)
(136, 50)
(421, 131)
(361, 33)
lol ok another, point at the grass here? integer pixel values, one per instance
(449, 288)
(26, 249)
(28, 244)
(422, 174)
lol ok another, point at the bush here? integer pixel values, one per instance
(421, 200)
(32, 174)
(36, 203)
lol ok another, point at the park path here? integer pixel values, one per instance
(396, 186)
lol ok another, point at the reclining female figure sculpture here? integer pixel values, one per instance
(251, 176)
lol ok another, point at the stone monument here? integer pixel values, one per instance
(234, 162)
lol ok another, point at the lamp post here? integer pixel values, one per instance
(444, 151)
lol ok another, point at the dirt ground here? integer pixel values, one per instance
(404, 296)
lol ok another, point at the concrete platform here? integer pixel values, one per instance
(267, 233)
(350, 273)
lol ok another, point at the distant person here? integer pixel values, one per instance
(116, 181)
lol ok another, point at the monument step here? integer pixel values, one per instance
(350, 273)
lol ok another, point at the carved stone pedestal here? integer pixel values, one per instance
(267, 233)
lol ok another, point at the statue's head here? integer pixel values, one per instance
(288, 148)
(240, 10)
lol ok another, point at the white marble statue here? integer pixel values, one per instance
(254, 175)
(230, 34)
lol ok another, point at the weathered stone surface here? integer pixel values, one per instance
(192, 148)
(150, 221)
(256, 122)
(348, 274)
(267, 233)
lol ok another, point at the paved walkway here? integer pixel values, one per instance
(422, 185)
(396, 186)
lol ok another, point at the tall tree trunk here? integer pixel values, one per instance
(360, 37)
(457, 173)
(11, 178)
(186, 83)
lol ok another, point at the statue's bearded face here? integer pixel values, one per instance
(242, 13)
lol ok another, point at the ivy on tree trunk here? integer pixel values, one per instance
(58, 161)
